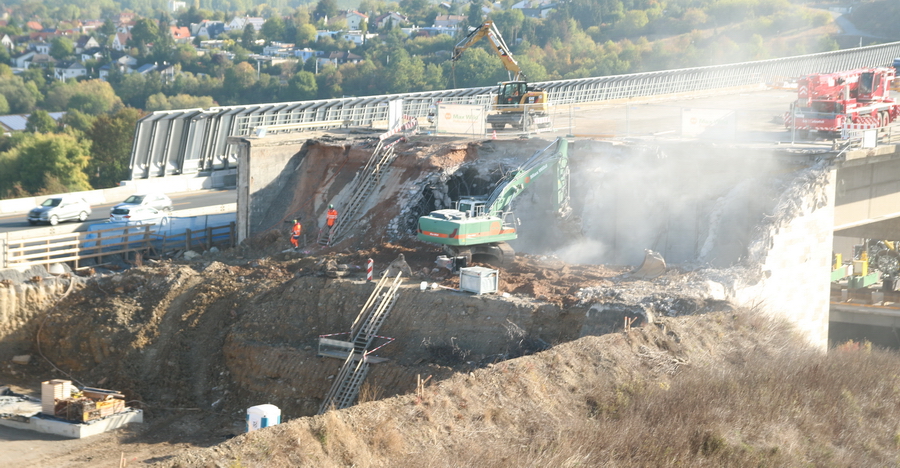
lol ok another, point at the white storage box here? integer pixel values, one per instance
(51, 391)
(261, 416)
(478, 280)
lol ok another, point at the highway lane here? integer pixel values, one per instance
(100, 213)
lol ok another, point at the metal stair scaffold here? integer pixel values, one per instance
(366, 181)
(364, 330)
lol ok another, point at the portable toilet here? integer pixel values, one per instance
(261, 416)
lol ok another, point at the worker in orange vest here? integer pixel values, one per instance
(295, 234)
(332, 217)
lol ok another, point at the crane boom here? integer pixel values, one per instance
(489, 30)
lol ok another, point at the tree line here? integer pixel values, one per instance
(580, 38)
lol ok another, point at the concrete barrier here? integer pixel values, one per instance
(170, 184)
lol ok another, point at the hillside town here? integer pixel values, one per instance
(92, 48)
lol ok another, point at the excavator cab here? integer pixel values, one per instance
(473, 207)
(511, 92)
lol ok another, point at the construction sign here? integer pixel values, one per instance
(463, 119)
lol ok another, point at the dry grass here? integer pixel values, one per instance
(718, 390)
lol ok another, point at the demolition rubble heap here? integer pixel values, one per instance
(229, 330)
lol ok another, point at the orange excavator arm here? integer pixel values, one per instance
(487, 29)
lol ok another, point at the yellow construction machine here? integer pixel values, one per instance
(517, 104)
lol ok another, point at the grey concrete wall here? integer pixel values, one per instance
(868, 189)
(264, 166)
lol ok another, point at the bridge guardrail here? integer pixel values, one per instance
(191, 140)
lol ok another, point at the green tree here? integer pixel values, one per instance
(61, 47)
(144, 32)
(475, 17)
(329, 81)
(40, 122)
(248, 36)
(4, 105)
(163, 44)
(94, 97)
(91, 97)
(47, 157)
(326, 8)
(238, 79)
(273, 29)
(78, 121)
(306, 34)
(475, 68)
(160, 101)
(112, 137)
(302, 87)
(509, 23)
(21, 97)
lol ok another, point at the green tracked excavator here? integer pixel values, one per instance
(482, 225)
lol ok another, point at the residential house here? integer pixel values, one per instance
(212, 44)
(321, 34)
(125, 27)
(42, 60)
(24, 59)
(429, 31)
(18, 122)
(210, 29)
(306, 53)
(393, 19)
(91, 25)
(180, 34)
(125, 60)
(124, 64)
(175, 5)
(95, 53)
(65, 70)
(339, 58)
(535, 10)
(357, 37)
(145, 69)
(7, 42)
(448, 21)
(85, 42)
(279, 49)
(355, 19)
(124, 17)
(120, 41)
(34, 26)
(238, 23)
(40, 47)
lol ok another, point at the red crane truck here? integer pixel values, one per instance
(854, 99)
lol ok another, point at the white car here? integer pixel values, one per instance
(137, 214)
(158, 201)
(60, 208)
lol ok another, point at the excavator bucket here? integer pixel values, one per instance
(654, 265)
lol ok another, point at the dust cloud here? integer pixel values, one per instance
(693, 205)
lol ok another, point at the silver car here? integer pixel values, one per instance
(60, 208)
(157, 201)
(137, 214)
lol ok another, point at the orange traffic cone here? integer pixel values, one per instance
(494, 136)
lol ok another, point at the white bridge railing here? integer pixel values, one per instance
(195, 140)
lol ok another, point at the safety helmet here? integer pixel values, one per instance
(295, 221)
(330, 207)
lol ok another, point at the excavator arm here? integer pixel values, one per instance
(487, 29)
(554, 156)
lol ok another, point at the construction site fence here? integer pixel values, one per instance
(103, 241)
(188, 141)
